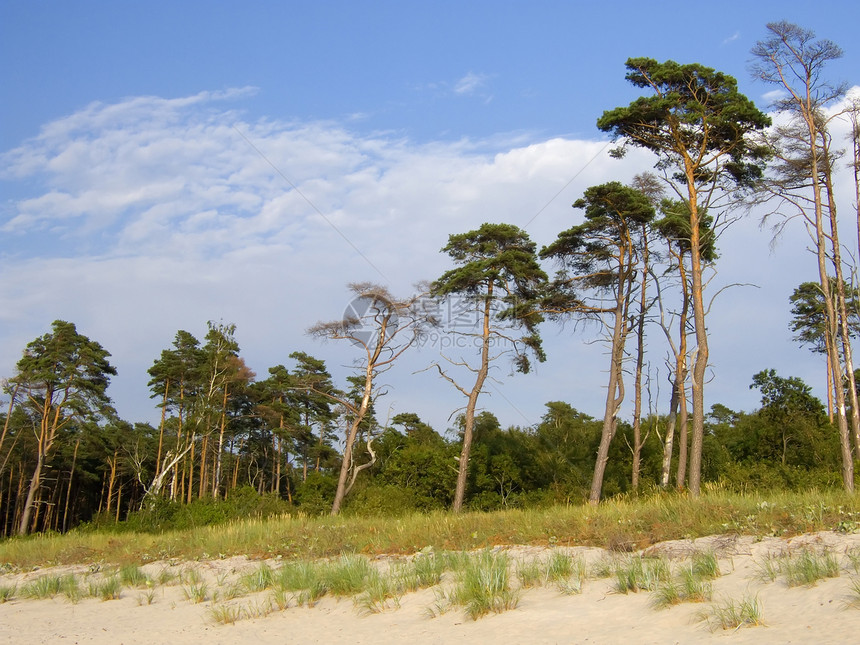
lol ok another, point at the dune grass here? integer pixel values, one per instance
(801, 568)
(621, 524)
(7, 592)
(483, 585)
(733, 614)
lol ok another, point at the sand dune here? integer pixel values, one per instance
(818, 614)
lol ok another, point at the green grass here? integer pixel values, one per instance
(803, 568)
(381, 592)
(109, 588)
(530, 573)
(637, 573)
(689, 586)
(483, 585)
(808, 567)
(7, 593)
(853, 601)
(225, 614)
(258, 580)
(705, 565)
(49, 586)
(196, 592)
(733, 614)
(346, 576)
(131, 575)
(636, 522)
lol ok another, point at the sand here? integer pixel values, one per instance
(820, 614)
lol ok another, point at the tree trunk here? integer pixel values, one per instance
(614, 398)
(841, 305)
(69, 490)
(615, 388)
(700, 363)
(345, 467)
(640, 360)
(161, 426)
(469, 421)
(35, 482)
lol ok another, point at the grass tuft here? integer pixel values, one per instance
(346, 576)
(808, 567)
(705, 565)
(483, 586)
(225, 614)
(380, 593)
(196, 592)
(688, 587)
(131, 575)
(109, 588)
(259, 580)
(638, 573)
(729, 614)
(7, 593)
(49, 586)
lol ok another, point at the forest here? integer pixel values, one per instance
(232, 443)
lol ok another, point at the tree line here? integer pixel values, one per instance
(639, 263)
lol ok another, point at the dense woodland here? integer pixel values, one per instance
(639, 265)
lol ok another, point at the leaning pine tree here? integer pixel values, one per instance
(600, 257)
(497, 278)
(699, 126)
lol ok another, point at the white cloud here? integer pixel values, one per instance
(470, 83)
(153, 215)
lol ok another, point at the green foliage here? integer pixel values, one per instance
(808, 313)
(163, 514)
(315, 495)
(693, 111)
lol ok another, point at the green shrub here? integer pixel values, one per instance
(386, 499)
(315, 495)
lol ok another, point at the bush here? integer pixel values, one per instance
(165, 515)
(388, 500)
(763, 476)
(315, 495)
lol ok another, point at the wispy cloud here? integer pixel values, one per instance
(735, 36)
(470, 83)
(150, 215)
(155, 205)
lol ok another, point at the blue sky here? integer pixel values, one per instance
(149, 155)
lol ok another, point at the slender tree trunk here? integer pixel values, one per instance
(118, 502)
(700, 363)
(615, 389)
(6, 423)
(829, 389)
(471, 406)
(841, 304)
(640, 361)
(161, 426)
(614, 398)
(190, 491)
(683, 431)
(278, 448)
(111, 481)
(35, 481)
(69, 490)
(352, 433)
(669, 440)
(202, 485)
(48, 426)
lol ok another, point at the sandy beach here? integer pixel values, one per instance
(163, 613)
